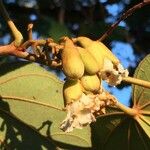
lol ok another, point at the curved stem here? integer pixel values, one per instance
(16, 33)
(123, 17)
(136, 81)
(30, 26)
(4, 11)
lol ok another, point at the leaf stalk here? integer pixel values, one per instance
(129, 111)
(136, 81)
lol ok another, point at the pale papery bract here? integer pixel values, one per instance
(82, 111)
(113, 74)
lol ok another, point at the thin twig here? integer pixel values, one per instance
(19, 52)
(34, 58)
(4, 11)
(33, 45)
(47, 53)
(16, 33)
(29, 43)
(123, 17)
(30, 26)
(11, 49)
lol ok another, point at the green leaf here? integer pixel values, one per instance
(52, 28)
(141, 95)
(115, 130)
(31, 110)
(58, 30)
(110, 130)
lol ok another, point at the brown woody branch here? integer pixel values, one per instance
(123, 17)
(16, 33)
(20, 52)
(18, 49)
(43, 48)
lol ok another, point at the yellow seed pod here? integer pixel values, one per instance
(92, 49)
(106, 52)
(97, 49)
(73, 66)
(90, 64)
(91, 83)
(72, 90)
(82, 41)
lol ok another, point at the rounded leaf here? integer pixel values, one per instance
(31, 110)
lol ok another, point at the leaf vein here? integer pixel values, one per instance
(113, 130)
(29, 74)
(76, 136)
(140, 136)
(144, 120)
(144, 105)
(29, 101)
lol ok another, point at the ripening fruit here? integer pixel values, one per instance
(90, 64)
(88, 44)
(106, 52)
(72, 90)
(91, 83)
(97, 49)
(73, 66)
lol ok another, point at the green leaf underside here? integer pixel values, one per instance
(141, 95)
(34, 96)
(118, 131)
(114, 130)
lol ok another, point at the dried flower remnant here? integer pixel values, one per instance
(84, 110)
(113, 74)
